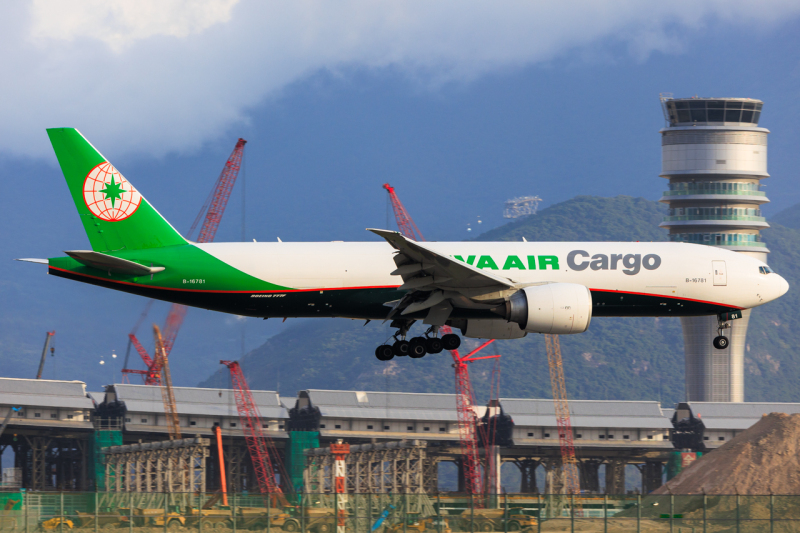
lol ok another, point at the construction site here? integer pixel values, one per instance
(145, 455)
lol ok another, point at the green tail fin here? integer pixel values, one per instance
(114, 214)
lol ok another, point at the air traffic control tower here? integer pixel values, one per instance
(714, 155)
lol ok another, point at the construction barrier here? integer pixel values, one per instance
(395, 513)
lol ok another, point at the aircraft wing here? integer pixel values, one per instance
(424, 270)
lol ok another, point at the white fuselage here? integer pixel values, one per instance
(669, 270)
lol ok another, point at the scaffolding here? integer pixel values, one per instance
(400, 467)
(157, 467)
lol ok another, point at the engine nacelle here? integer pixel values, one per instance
(492, 329)
(557, 308)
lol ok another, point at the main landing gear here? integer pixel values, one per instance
(720, 341)
(418, 346)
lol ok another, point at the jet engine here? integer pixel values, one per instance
(557, 308)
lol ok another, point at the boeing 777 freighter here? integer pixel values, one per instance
(500, 290)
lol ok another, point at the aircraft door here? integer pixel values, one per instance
(719, 272)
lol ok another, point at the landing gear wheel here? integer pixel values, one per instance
(434, 345)
(721, 342)
(451, 341)
(384, 352)
(416, 347)
(401, 348)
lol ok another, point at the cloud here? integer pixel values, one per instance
(119, 24)
(158, 76)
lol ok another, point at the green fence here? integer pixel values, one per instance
(398, 513)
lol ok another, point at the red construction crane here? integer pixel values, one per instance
(404, 222)
(262, 450)
(465, 399)
(467, 418)
(213, 208)
(47, 339)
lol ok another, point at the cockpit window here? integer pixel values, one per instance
(765, 270)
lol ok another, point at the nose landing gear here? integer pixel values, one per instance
(720, 341)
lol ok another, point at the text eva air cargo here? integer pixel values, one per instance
(497, 290)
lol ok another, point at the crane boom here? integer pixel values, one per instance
(47, 340)
(167, 394)
(465, 400)
(404, 221)
(153, 374)
(214, 208)
(565, 438)
(258, 444)
(222, 194)
(219, 201)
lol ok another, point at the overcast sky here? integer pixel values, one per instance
(459, 104)
(155, 76)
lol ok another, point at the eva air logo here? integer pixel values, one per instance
(108, 195)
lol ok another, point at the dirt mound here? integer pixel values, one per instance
(764, 459)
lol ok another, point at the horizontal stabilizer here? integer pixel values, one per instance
(110, 263)
(33, 260)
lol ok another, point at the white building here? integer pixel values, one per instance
(715, 156)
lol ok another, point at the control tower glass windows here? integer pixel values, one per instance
(714, 187)
(720, 239)
(693, 111)
(716, 111)
(718, 211)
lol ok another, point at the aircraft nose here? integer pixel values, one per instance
(782, 286)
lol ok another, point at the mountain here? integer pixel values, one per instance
(618, 358)
(789, 217)
(588, 218)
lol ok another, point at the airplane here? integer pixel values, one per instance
(497, 290)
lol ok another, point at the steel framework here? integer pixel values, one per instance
(565, 437)
(47, 342)
(404, 221)
(398, 467)
(164, 466)
(167, 394)
(467, 419)
(259, 444)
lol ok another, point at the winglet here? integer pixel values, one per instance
(395, 238)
